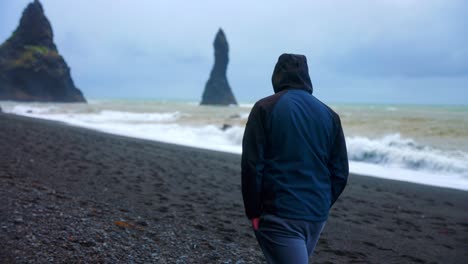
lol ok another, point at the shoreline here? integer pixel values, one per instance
(49, 121)
(76, 194)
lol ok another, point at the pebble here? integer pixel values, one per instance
(19, 220)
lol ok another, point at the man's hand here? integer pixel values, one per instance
(255, 223)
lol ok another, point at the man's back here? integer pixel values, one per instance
(300, 135)
(294, 161)
(294, 164)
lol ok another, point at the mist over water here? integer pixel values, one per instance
(422, 144)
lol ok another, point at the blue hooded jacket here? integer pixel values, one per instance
(294, 160)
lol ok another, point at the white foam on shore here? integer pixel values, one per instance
(390, 157)
(453, 181)
(100, 117)
(29, 110)
(151, 126)
(119, 116)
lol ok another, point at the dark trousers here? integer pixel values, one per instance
(287, 240)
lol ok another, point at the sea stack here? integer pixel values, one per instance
(217, 89)
(31, 68)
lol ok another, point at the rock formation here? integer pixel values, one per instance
(217, 89)
(31, 69)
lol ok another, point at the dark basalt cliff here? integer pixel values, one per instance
(31, 69)
(217, 89)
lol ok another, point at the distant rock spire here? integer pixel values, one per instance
(31, 69)
(217, 89)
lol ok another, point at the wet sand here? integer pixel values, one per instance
(70, 194)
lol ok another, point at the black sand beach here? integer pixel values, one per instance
(71, 195)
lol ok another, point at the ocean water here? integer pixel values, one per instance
(421, 144)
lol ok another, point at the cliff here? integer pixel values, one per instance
(31, 68)
(217, 89)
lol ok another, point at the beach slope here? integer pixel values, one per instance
(75, 195)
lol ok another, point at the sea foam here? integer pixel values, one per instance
(391, 156)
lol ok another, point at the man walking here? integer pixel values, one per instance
(294, 164)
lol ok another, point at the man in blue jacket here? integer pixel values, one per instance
(294, 164)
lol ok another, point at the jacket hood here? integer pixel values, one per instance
(291, 72)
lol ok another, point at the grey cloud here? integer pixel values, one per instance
(411, 62)
(152, 48)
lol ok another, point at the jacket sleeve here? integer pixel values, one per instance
(338, 164)
(253, 163)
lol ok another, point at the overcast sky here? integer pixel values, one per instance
(388, 51)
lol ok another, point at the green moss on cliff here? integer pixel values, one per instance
(25, 60)
(39, 49)
(31, 56)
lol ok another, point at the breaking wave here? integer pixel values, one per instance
(391, 156)
(393, 150)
